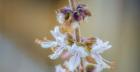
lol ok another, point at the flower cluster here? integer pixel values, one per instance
(79, 14)
(89, 50)
(80, 56)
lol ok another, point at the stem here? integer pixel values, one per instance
(73, 5)
(77, 33)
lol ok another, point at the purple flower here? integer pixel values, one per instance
(66, 10)
(77, 16)
(81, 8)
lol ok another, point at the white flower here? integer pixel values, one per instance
(101, 46)
(57, 52)
(101, 63)
(73, 63)
(59, 69)
(59, 43)
(77, 52)
(60, 18)
(96, 51)
(59, 37)
(74, 50)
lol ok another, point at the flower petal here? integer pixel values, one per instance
(59, 69)
(97, 49)
(60, 18)
(101, 63)
(101, 46)
(73, 63)
(48, 44)
(57, 53)
(78, 50)
(58, 35)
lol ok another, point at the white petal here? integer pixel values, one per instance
(59, 37)
(57, 53)
(48, 44)
(98, 48)
(60, 18)
(78, 50)
(101, 46)
(73, 63)
(99, 67)
(101, 63)
(59, 69)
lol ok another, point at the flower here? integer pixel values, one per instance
(60, 39)
(82, 55)
(59, 43)
(63, 14)
(77, 53)
(73, 62)
(79, 14)
(97, 49)
(59, 68)
(78, 50)
(101, 46)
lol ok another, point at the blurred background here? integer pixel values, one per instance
(22, 21)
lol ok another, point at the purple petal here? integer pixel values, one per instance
(77, 16)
